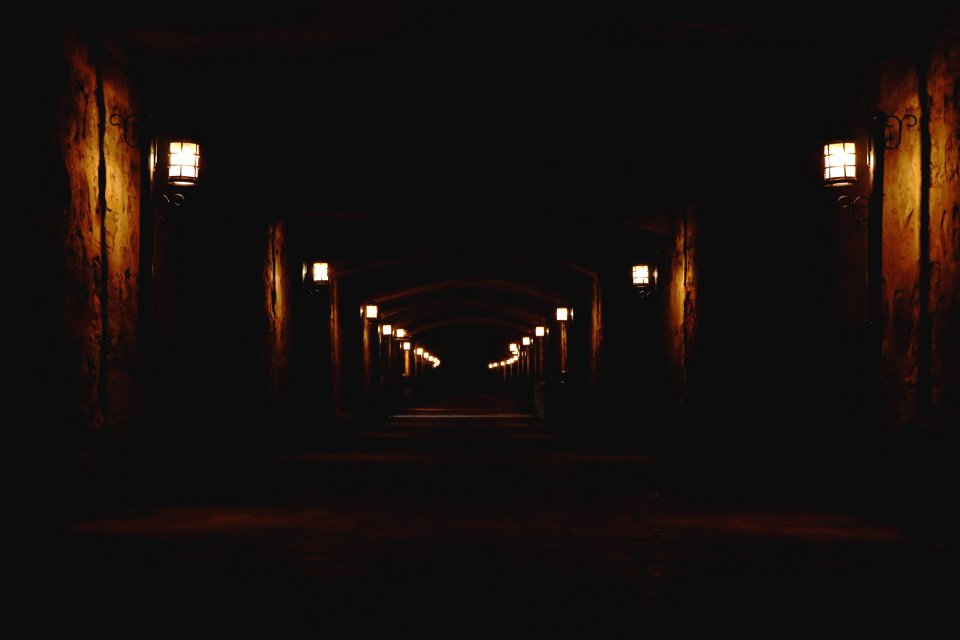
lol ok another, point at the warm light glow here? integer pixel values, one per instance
(320, 271)
(183, 163)
(503, 363)
(419, 351)
(406, 346)
(525, 341)
(387, 329)
(540, 331)
(513, 347)
(641, 274)
(840, 163)
(563, 314)
(401, 333)
(370, 311)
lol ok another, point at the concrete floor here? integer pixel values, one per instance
(485, 525)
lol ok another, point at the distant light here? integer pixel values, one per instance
(503, 363)
(183, 163)
(387, 329)
(370, 311)
(645, 278)
(514, 348)
(320, 272)
(401, 333)
(419, 351)
(540, 331)
(840, 163)
(641, 274)
(563, 314)
(406, 346)
(525, 341)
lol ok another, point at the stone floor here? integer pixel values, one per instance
(479, 525)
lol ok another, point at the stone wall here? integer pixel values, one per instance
(943, 303)
(921, 237)
(278, 280)
(86, 293)
(681, 295)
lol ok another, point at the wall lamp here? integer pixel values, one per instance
(525, 341)
(173, 162)
(645, 278)
(885, 132)
(400, 333)
(540, 331)
(386, 329)
(320, 272)
(316, 274)
(514, 348)
(369, 311)
(564, 314)
(406, 346)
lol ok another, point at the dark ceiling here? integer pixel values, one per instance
(418, 107)
(390, 130)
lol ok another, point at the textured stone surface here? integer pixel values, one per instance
(943, 86)
(682, 301)
(277, 281)
(79, 134)
(94, 234)
(901, 246)
(122, 251)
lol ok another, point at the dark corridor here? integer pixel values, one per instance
(381, 316)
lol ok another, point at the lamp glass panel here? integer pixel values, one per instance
(321, 272)
(641, 274)
(840, 162)
(183, 162)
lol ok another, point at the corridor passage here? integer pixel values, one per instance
(456, 519)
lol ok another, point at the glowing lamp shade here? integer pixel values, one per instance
(525, 341)
(540, 331)
(320, 272)
(419, 351)
(563, 314)
(406, 346)
(513, 347)
(370, 311)
(401, 333)
(503, 363)
(641, 275)
(183, 163)
(387, 329)
(840, 163)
